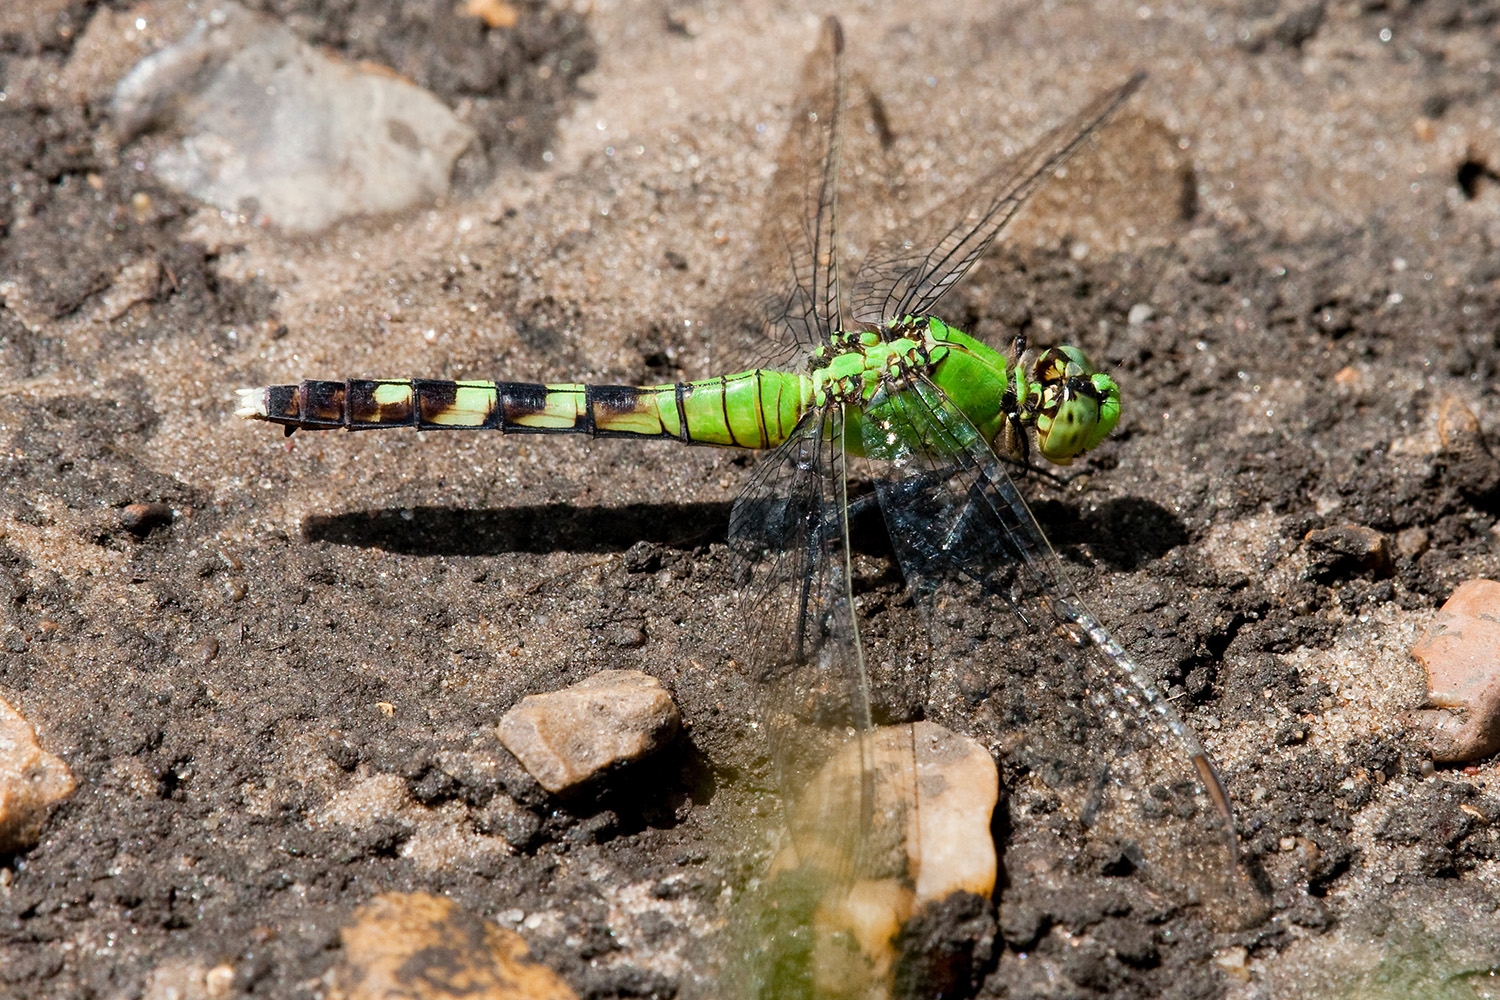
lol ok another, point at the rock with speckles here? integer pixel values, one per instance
(564, 738)
(423, 947)
(1461, 651)
(32, 782)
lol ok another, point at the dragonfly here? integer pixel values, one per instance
(943, 424)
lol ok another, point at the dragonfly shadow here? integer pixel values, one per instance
(1124, 534)
(539, 528)
(554, 527)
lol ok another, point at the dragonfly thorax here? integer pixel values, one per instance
(853, 364)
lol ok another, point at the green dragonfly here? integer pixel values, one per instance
(940, 421)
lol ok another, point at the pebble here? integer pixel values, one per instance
(32, 782)
(140, 518)
(1468, 460)
(1335, 551)
(564, 738)
(1461, 651)
(264, 119)
(418, 946)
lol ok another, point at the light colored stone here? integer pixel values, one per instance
(1461, 651)
(924, 836)
(188, 979)
(272, 126)
(417, 946)
(32, 781)
(564, 738)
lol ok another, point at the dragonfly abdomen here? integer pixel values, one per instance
(752, 409)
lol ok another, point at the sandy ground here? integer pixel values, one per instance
(282, 702)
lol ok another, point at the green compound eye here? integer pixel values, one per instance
(1079, 413)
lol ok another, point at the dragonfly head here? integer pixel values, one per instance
(1075, 407)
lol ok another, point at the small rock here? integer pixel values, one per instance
(140, 518)
(274, 128)
(423, 947)
(494, 13)
(566, 737)
(32, 781)
(1335, 552)
(219, 981)
(1461, 651)
(1139, 313)
(1235, 961)
(189, 979)
(1412, 542)
(1469, 462)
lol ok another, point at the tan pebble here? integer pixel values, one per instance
(494, 13)
(219, 981)
(1349, 544)
(1461, 652)
(1470, 465)
(397, 932)
(32, 781)
(1235, 961)
(141, 518)
(1412, 542)
(566, 737)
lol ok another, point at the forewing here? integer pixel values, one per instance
(905, 275)
(789, 299)
(1081, 725)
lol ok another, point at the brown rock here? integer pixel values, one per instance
(1461, 651)
(1348, 548)
(1469, 462)
(142, 518)
(566, 737)
(417, 946)
(32, 781)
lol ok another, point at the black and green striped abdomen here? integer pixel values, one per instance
(752, 409)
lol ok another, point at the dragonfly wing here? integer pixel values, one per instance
(846, 787)
(1106, 766)
(907, 275)
(790, 299)
(790, 534)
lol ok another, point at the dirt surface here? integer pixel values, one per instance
(279, 699)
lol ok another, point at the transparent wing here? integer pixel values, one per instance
(1109, 774)
(790, 535)
(789, 299)
(847, 788)
(908, 274)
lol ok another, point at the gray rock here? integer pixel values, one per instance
(271, 127)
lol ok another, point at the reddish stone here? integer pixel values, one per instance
(1461, 651)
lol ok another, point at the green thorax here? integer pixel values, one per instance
(1056, 392)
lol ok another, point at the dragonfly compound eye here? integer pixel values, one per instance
(1076, 414)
